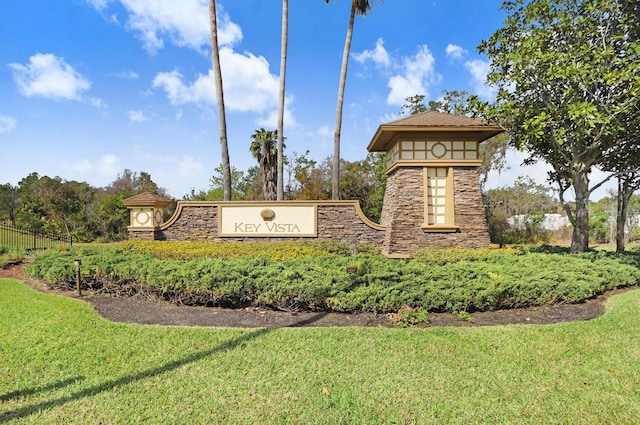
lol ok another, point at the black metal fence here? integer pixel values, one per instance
(30, 239)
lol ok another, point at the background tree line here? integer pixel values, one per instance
(74, 208)
(304, 179)
(98, 214)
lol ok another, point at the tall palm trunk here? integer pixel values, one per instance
(264, 149)
(269, 184)
(335, 174)
(283, 72)
(222, 122)
(268, 170)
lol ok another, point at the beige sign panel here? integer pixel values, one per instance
(267, 220)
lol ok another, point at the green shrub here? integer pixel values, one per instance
(453, 255)
(273, 250)
(465, 282)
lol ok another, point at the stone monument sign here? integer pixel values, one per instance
(432, 198)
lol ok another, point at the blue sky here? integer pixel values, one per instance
(89, 88)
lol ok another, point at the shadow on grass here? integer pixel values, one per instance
(48, 387)
(109, 385)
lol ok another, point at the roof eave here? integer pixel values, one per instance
(146, 200)
(385, 133)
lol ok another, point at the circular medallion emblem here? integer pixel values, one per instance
(142, 217)
(438, 150)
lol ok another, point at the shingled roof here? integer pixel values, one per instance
(431, 121)
(146, 199)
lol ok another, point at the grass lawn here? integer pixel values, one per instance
(60, 363)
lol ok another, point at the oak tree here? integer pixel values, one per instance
(568, 79)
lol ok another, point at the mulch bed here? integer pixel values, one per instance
(136, 310)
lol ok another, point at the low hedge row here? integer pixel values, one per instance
(487, 281)
(272, 250)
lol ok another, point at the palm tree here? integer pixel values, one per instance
(222, 122)
(264, 149)
(283, 72)
(360, 7)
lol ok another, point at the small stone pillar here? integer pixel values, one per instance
(146, 215)
(433, 197)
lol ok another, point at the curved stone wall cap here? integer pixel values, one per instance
(146, 199)
(432, 121)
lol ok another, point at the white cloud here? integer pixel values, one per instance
(49, 76)
(7, 123)
(248, 85)
(409, 75)
(479, 69)
(322, 139)
(107, 166)
(455, 52)
(325, 131)
(271, 119)
(83, 167)
(97, 102)
(188, 166)
(175, 89)
(127, 75)
(98, 4)
(416, 75)
(388, 117)
(184, 23)
(148, 156)
(137, 116)
(379, 55)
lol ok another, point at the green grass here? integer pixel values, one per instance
(61, 363)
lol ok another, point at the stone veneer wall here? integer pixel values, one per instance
(399, 234)
(469, 211)
(198, 221)
(403, 213)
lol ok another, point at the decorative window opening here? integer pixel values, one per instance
(439, 209)
(421, 150)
